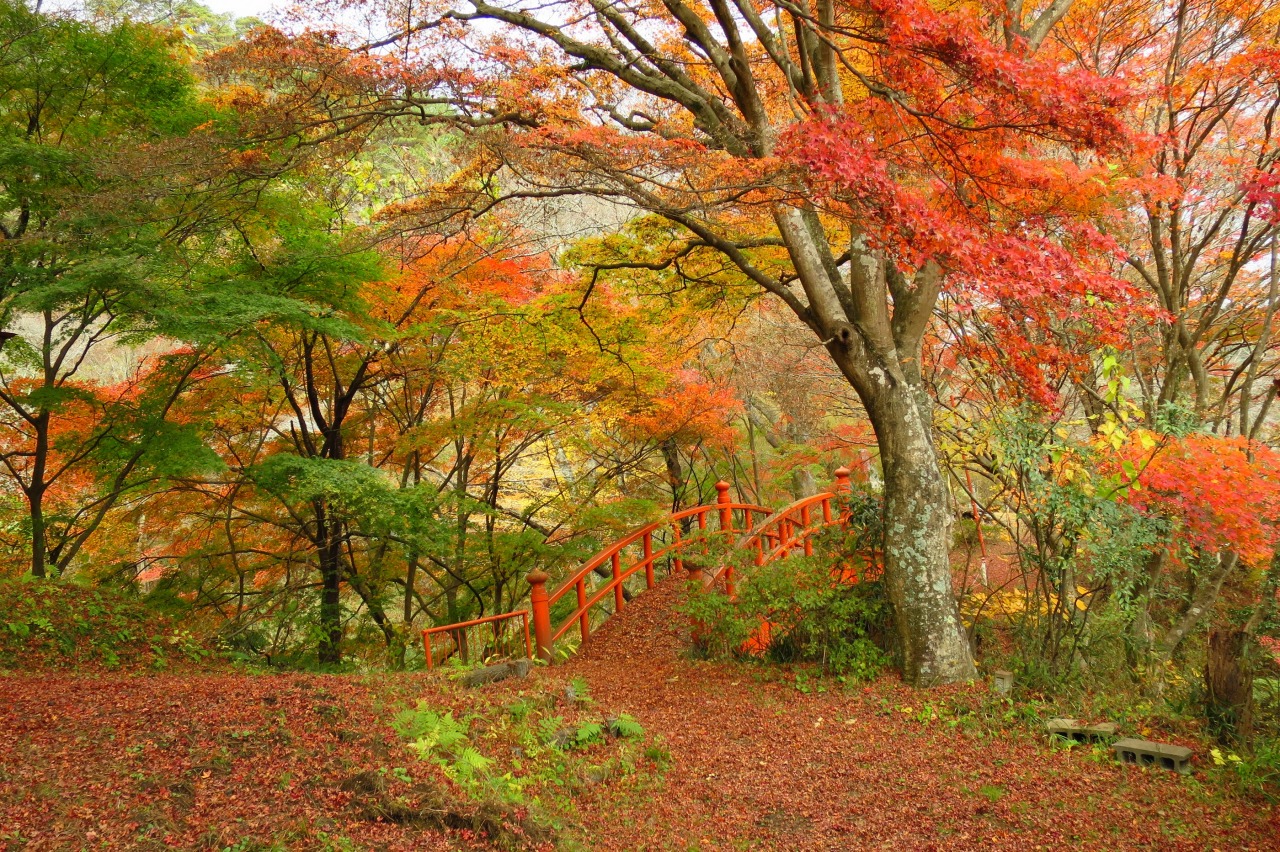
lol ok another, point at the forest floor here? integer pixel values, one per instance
(734, 756)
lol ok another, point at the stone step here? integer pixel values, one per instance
(1136, 752)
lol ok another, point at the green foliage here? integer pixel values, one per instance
(509, 752)
(587, 733)
(357, 492)
(431, 733)
(579, 690)
(812, 617)
(626, 727)
(1083, 541)
(1256, 772)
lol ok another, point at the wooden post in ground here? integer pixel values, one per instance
(1228, 679)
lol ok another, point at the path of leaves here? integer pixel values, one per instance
(758, 764)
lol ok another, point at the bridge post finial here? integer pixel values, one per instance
(842, 479)
(723, 500)
(541, 613)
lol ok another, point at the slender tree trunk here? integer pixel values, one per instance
(1141, 630)
(35, 498)
(1206, 595)
(330, 555)
(802, 482)
(39, 536)
(675, 472)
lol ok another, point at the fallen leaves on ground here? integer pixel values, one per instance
(751, 761)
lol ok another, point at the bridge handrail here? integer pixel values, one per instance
(699, 512)
(540, 601)
(785, 521)
(777, 531)
(522, 614)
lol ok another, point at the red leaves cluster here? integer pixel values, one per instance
(1222, 493)
(1264, 191)
(186, 762)
(690, 411)
(762, 758)
(217, 759)
(989, 164)
(945, 56)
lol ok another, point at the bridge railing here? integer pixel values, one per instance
(493, 634)
(786, 531)
(705, 523)
(772, 535)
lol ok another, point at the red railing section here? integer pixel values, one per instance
(787, 531)
(499, 637)
(615, 555)
(772, 534)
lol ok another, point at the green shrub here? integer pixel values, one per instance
(1256, 772)
(47, 623)
(812, 616)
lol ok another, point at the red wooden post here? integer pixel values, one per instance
(723, 501)
(726, 525)
(695, 571)
(617, 582)
(804, 525)
(584, 619)
(676, 547)
(541, 613)
(648, 560)
(843, 488)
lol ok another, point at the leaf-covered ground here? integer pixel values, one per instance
(226, 760)
(763, 764)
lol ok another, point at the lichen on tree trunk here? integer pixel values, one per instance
(935, 648)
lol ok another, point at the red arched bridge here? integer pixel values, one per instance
(690, 536)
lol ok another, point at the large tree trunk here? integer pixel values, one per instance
(873, 328)
(935, 649)
(1229, 685)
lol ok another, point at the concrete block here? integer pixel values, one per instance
(1074, 729)
(1002, 681)
(1135, 752)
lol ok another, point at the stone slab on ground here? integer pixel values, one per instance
(496, 672)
